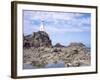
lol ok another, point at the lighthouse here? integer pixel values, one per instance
(42, 26)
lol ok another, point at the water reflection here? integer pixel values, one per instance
(50, 65)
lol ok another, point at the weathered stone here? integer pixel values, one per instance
(37, 39)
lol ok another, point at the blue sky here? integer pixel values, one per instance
(62, 27)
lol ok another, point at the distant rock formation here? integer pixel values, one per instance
(37, 39)
(76, 44)
(58, 45)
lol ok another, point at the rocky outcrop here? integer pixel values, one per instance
(27, 41)
(37, 39)
(41, 39)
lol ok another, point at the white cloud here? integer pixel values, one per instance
(60, 22)
(63, 30)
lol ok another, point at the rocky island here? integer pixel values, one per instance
(39, 52)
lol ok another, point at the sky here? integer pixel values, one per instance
(62, 27)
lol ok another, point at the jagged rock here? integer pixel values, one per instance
(37, 39)
(76, 64)
(27, 41)
(56, 49)
(41, 39)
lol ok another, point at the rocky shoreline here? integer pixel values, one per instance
(74, 55)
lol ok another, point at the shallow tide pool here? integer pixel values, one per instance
(50, 65)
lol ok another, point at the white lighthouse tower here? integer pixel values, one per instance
(42, 28)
